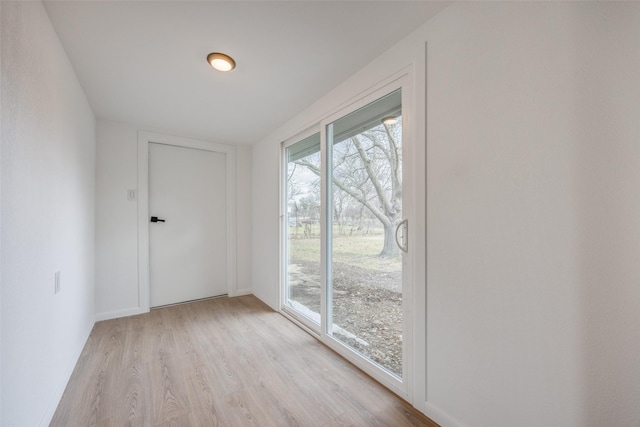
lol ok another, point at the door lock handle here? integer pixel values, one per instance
(404, 245)
(156, 219)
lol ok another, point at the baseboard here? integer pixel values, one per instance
(120, 313)
(53, 405)
(439, 416)
(241, 292)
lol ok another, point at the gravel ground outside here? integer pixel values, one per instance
(367, 307)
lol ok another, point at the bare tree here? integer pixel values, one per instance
(367, 167)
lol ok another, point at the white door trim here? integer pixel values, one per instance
(144, 139)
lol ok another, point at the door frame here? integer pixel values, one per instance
(404, 80)
(144, 139)
(401, 387)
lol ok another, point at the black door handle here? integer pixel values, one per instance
(156, 219)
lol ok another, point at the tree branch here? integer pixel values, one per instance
(384, 201)
(377, 212)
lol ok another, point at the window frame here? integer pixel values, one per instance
(298, 317)
(401, 80)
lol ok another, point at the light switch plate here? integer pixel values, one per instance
(132, 195)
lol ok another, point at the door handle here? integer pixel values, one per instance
(404, 225)
(156, 219)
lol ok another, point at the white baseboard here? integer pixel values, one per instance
(241, 292)
(53, 405)
(120, 313)
(439, 416)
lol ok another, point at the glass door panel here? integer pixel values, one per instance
(302, 228)
(364, 281)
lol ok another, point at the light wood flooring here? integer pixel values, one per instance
(220, 362)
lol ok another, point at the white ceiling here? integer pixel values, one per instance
(144, 62)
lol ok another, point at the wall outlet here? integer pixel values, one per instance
(56, 286)
(132, 194)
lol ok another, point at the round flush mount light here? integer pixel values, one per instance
(221, 62)
(389, 120)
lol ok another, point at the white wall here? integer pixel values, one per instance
(48, 165)
(265, 222)
(244, 213)
(533, 210)
(608, 161)
(1, 85)
(116, 219)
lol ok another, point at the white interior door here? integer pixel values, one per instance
(188, 243)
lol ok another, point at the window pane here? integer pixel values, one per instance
(303, 227)
(365, 208)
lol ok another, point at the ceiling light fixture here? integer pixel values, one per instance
(221, 62)
(389, 120)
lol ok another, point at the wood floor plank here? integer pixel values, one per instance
(344, 420)
(220, 362)
(170, 402)
(237, 404)
(208, 403)
(276, 411)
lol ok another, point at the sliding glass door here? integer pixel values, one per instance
(364, 174)
(345, 238)
(302, 229)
